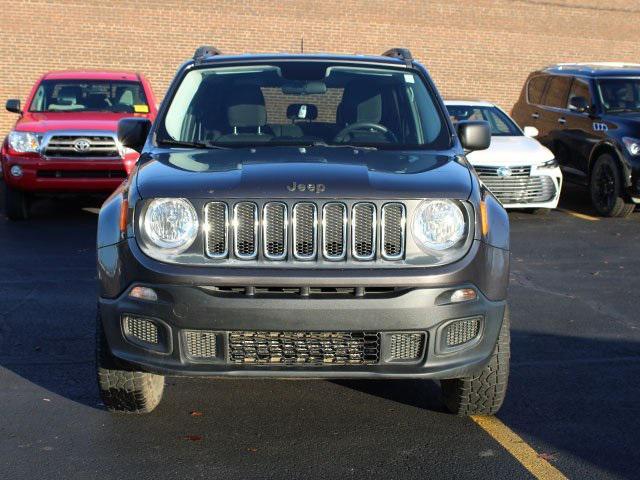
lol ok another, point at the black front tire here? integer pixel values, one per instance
(606, 188)
(484, 392)
(16, 204)
(124, 389)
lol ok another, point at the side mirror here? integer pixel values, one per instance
(133, 132)
(579, 104)
(531, 132)
(474, 135)
(13, 105)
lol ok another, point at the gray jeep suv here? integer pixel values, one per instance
(303, 216)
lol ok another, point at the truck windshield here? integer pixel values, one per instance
(304, 103)
(620, 94)
(89, 96)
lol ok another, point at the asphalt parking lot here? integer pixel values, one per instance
(573, 392)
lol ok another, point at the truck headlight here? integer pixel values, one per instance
(438, 225)
(170, 224)
(632, 144)
(24, 142)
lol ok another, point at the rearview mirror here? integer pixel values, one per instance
(579, 104)
(474, 135)
(133, 132)
(531, 132)
(13, 105)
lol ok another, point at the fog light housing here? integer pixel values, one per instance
(16, 171)
(459, 333)
(463, 295)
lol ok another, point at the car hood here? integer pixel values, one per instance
(278, 172)
(38, 122)
(511, 152)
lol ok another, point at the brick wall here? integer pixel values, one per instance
(473, 48)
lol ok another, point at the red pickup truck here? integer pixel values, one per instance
(65, 140)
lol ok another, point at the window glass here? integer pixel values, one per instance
(302, 103)
(557, 92)
(620, 94)
(579, 88)
(536, 89)
(90, 96)
(500, 123)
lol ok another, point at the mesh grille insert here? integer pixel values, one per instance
(304, 348)
(140, 329)
(201, 344)
(334, 225)
(275, 230)
(246, 229)
(406, 346)
(461, 331)
(216, 214)
(363, 226)
(393, 221)
(304, 231)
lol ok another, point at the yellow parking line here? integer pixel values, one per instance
(517, 447)
(580, 215)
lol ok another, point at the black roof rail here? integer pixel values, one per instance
(205, 51)
(401, 53)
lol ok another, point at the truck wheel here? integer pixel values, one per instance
(606, 188)
(16, 204)
(122, 388)
(484, 392)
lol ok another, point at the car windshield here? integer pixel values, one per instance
(620, 94)
(501, 125)
(89, 96)
(304, 103)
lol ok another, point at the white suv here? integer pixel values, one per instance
(519, 171)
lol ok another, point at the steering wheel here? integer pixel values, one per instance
(340, 137)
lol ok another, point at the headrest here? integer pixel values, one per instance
(124, 95)
(69, 95)
(302, 111)
(361, 102)
(245, 107)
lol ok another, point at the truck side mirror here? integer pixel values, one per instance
(133, 132)
(579, 104)
(13, 105)
(474, 134)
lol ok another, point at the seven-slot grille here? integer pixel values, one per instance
(304, 348)
(79, 146)
(305, 231)
(519, 186)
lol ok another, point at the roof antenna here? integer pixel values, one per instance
(302, 44)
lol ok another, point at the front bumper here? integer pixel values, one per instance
(66, 175)
(187, 301)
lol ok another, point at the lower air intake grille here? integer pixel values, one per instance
(201, 344)
(304, 348)
(461, 331)
(140, 329)
(406, 346)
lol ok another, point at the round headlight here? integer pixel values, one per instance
(171, 224)
(438, 224)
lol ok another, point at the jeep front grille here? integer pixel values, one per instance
(245, 230)
(305, 231)
(519, 187)
(305, 348)
(94, 146)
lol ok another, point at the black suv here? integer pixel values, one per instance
(303, 216)
(589, 116)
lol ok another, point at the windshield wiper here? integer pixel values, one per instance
(340, 145)
(181, 143)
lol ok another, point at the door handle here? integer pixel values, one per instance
(535, 116)
(562, 121)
